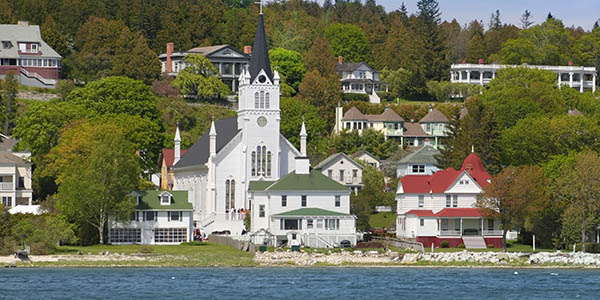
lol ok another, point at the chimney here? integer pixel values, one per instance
(302, 165)
(23, 23)
(247, 50)
(170, 47)
(340, 59)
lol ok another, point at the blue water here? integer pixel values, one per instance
(298, 283)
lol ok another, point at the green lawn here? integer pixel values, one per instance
(513, 246)
(206, 254)
(383, 219)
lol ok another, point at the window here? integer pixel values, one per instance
(6, 44)
(319, 223)
(490, 224)
(165, 199)
(444, 224)
(292, 224)
(267, 104)
(256, 102)
(457, 224)
(283, 200)
(341, 175)
(175, 216)
(261, 211)
(22, 47)
(422, 221)
(229, 194)
(262, 99)
(21, 182)
(421, 200)
(269, 164)
(264, 160)
(309, 223)
(150, 215)
(418, 168)
(329, 173)
(337, 200)
(125, 235)
(348, 125)
(253, 163)
(448, 200)
(170, 235)
(354, 174)
(7, 201)
(227, 68)
(454, 200)
(303, 200)
(134, 216)
(34, 48)
(428, 127)
(332, 224)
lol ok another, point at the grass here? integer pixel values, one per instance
(383, 219)
(512, 246)
(204, 255)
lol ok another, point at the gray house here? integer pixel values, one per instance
(420, 162)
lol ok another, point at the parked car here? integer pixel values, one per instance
(345, 244)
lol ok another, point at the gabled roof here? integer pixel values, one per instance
(388, 115)
(310, 212)
(169, 155)
(350, 67)
(199, 152)
(151, 201)
(424, 155)
(359, 153)
(420, 212)
(354, 114)
(207, 50)
(9, 158)
(414, 130)
(260, 185)
(260, 53)
(434, 116)
(440, 181)
(332, 158)
(23, 33)
(314, 181)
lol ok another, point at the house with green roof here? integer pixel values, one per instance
(305, 207)
(160, 218)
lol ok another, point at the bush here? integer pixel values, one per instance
(461, 245)
(490, 245)
(146, 249)
(444, 244)
(64, 88)
(589, 247)
(355, 96)
(386, 96)
(39, 248)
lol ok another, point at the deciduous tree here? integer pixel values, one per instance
(200, 79)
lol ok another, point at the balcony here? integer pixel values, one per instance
(4, 186)
(394, 132)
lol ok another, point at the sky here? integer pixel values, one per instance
(572, 12)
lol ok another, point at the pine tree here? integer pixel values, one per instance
(495, 22)
(526, 19)
(550, 16)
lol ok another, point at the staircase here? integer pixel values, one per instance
(474, 242)
(374, 98)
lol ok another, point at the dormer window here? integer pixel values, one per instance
(34, 48)
(6, 44)
(165, 198)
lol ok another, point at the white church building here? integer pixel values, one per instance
(219, 168)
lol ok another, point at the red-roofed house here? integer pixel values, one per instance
(441, 207)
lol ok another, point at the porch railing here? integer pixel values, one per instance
(449, 232)
(492, 232)
(6, 186)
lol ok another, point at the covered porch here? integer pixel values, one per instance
(468, 226)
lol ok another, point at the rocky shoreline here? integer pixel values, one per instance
(462, 258)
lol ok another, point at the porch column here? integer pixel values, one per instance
(559, 80)
(594, 83)
(468, 76)
(461, 226)
(460, 76)
(570, 79)
(581, 83)
(481, 78)
(481, 226)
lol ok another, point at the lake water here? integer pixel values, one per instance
(298, 283)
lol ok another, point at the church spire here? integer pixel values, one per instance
(260, 52)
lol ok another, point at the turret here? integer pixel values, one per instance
(177, 149)
(303, 136)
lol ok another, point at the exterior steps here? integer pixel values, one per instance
(474, 242)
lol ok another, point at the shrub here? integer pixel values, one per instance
(146, 249)
(444, 244)
(490, 245)
(39, 248)
(355, 96)
(386, 96)
(461, 245)
(589, 247)
(64, 88)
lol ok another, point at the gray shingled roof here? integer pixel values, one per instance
(349, 67)
(414, 130)
(425, 155)
(335, 156)
(198, 154)
(207, 50)
(23, 33)
(9, 158)
(434, 116)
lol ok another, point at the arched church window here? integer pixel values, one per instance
(256, 100)
(267, 100)
(232, 194)
(262, 99)
(269, 163)
(264, 160)
(227, 195)
(253, 163)
(258, 161)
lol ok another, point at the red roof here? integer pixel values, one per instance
(459, 212)
(420, 213)
(169, 156)
(440, 181)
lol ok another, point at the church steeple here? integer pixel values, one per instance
(260, 53)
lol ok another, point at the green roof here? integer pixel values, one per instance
(310, 212)
(150, 200)
(315, 181)
(260, 185)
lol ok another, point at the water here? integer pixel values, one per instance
(298, 283)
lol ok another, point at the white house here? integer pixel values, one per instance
(304, 207)
(441, 207)
(368, 158)
(360, 78)
(218, 168)
(15, 180)
(420, 162)
(160, 218)
(343, 169)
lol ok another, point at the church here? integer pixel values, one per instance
(218, 169)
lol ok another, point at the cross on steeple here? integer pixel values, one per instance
(261, 5)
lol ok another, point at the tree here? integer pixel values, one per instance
(322, 92)
(53, 37)
(398, 81)
(9, 97)
(134, 59)
(295, 111)
(320, 57)
(580, 186)
(97, 170)
(200, 79)
(43, 233)
(495, 23)
(289, 64)
(368, 197)
(526, 21)
(512, 195)
(349, 41)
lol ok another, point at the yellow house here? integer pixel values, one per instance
(166, 168)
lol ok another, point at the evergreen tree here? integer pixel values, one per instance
(495, 22)
(526, 21)
(54, 38)
(9, 97)
(320, 57)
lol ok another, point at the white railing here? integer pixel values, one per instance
(37, 76)
(6, 186)
(450, 232)
(498, 66)
(492, 232)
